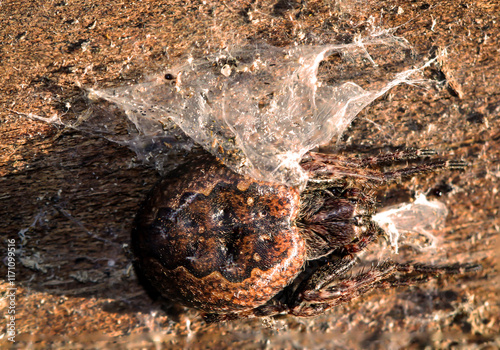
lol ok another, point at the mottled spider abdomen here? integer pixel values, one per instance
(217, 241)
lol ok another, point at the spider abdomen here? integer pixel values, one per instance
(214, 240)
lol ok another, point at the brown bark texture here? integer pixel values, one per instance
(68, 197)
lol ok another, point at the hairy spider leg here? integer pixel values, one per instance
(325, 169)
(387, 158)
(313, 301)
(397, 156)
(422, 168)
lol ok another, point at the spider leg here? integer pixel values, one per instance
(339, 263)
(269, 310)
(397, 156)
(323, 168)
(316, 299)
(326, 274)
(422, 168)
(387, 158)
(338, 170)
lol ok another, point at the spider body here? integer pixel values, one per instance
(222, 242)
(233, 246)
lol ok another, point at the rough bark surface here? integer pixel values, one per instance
(68, 198)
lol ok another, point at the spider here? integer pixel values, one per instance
(232, 246)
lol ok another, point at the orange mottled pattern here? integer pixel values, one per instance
(209, 238)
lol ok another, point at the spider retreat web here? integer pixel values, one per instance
(260, 108)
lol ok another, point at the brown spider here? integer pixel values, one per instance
(232, 246)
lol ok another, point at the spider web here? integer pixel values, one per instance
(260, 108)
